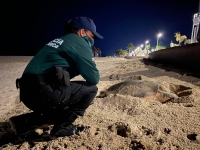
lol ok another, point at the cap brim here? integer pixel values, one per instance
(97, 35)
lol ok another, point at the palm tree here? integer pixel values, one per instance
(183, 38)
(118, 53)
(179, 38)
(130, 47)
(121, 52)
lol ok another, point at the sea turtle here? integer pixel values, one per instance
(150, 90)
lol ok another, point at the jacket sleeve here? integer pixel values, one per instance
(85, 64)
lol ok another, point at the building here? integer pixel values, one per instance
(195, 28)
(96, 52)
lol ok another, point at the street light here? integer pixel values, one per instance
(146, 43)
(146, 46)
(141, 46)
(159, 35)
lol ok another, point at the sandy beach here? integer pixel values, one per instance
(119, 120)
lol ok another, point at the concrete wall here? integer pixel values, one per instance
(187, 57)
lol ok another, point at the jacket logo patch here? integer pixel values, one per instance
(55, 43)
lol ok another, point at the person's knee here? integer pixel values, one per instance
(94, 89)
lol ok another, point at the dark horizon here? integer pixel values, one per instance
(28, 26)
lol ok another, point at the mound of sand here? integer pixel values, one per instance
(119, 119)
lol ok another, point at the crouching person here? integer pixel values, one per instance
(45, 85)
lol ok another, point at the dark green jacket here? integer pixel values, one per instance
(70, 52)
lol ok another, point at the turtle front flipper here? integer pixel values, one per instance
(164, 97)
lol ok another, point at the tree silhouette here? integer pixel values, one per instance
(130, 47)
(180, 38)
(95, 51)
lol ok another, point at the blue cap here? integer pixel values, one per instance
(87, 24)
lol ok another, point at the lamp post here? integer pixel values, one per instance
(146, 46)
(141, 46)
(159, 35)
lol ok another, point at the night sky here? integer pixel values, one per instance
(28, 25)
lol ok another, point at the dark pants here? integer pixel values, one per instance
(42, 99)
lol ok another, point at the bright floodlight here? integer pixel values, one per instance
(147, 42)
(160, 34)
(141, 45)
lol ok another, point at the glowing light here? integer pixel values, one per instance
(160, 34)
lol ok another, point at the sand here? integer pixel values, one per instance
(118, 121)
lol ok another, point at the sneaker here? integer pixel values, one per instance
(64, 130)
(25, 122)
(19, 127)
